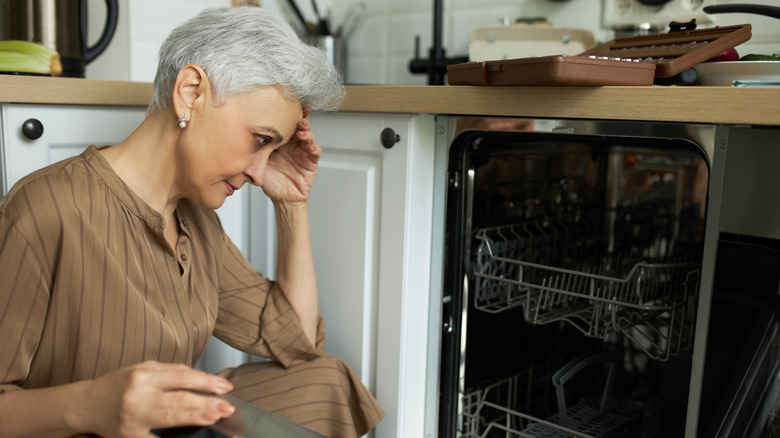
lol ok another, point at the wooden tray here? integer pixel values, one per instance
(674, 52)
(623, 61)
(552, 70)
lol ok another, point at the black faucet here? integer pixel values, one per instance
(436, 64)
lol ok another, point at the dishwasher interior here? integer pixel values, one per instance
(572, 269)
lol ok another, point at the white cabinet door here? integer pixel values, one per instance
(370, 213)
(67, 131)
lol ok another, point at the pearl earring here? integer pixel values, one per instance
(182, 122)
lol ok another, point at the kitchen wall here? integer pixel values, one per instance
(379, 49)
(382, 44)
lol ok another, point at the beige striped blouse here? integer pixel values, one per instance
(88, 283)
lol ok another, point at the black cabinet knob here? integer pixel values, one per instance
(32, 129)
(389, 138)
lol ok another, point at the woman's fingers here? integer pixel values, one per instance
(305, 136)
(187, 408)
(178, 376)
(307, 140)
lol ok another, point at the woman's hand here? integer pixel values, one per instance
(133, 401)
(291, 168)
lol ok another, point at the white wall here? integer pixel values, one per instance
(382, 45)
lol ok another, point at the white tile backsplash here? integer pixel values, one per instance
(399, 74)
(370, 38)
(402, 30)
(368, 70)
(383, 44)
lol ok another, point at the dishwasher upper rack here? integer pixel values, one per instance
(650, 302)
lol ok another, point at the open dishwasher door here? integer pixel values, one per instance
(564, 245)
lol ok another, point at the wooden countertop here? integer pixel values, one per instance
(73, 91)
(719, 105)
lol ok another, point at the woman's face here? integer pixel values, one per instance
(228, 145)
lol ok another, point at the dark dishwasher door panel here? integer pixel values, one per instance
(562, 246)
(740, 388)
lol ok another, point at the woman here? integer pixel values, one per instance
(117, 272)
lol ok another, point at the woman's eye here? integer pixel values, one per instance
(263, 141)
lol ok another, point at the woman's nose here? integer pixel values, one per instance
(255, 172)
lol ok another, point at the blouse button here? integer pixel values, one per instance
(183, 257)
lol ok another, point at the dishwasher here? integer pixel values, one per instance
(571, 279)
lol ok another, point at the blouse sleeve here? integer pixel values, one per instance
(255, 316)
(24, 299)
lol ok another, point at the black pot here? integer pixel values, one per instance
(769, 11)
(60, 25)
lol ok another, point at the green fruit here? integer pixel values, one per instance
(756, 57)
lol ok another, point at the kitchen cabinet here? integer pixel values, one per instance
(62, 131)
(370, 214)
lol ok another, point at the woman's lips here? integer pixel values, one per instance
(230, 188)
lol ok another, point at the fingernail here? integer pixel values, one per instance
(224, 386)
(227, 409)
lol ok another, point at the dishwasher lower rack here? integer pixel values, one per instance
(650, 303)
(501, 409)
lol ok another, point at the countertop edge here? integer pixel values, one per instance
(73, 91)
(692, 104)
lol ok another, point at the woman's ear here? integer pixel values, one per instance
(190, 91)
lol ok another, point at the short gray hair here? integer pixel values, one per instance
(242, 49)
